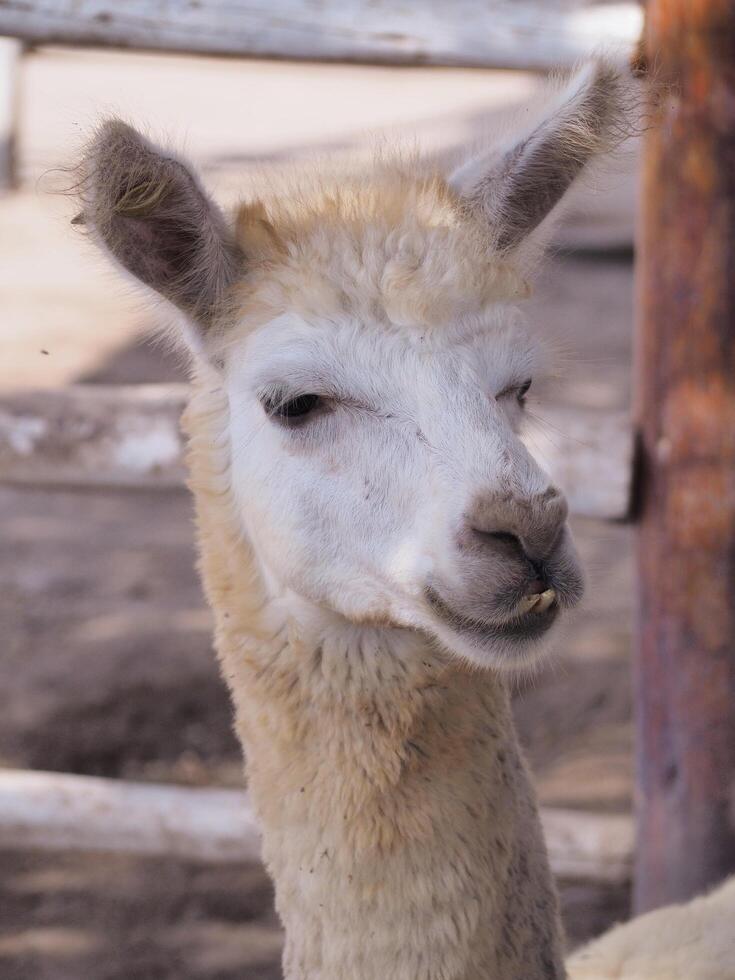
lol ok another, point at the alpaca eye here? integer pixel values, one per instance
(521, 392)
(294, 408)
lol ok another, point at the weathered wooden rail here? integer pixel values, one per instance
(58, 812)
(93, 436)
(128, 436)
(486, 33)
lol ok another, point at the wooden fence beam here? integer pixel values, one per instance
(128, 436)
(685, 648)
(495, 34)
(52, 811)
(59, 812)
(94, 436)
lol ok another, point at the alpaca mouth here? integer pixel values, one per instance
(531, 618)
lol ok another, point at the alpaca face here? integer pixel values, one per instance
(380, 475)
(376, 370)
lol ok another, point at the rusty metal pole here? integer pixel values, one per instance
(685, 656)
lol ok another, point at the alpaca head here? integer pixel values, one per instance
(367, 334)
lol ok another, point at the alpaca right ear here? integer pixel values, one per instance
(511, 190)
(149, 212)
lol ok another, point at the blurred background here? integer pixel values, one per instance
(106, 666)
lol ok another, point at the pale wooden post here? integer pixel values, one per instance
(9, 63)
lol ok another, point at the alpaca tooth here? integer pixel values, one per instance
(545, 600)
(527, 603)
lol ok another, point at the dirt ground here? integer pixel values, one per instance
(106, 664)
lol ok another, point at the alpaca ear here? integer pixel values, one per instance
(150, 213)
(511, 190)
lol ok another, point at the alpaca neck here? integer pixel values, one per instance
(398, 819)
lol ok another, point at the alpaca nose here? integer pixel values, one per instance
(510, 546)
(528, 526)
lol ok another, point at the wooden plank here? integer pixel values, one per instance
(685, 647)
(128, 436)
(498, 34)
(582, 846)
(59, 812)
(10, 50)
(94, 436)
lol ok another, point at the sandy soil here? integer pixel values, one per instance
(106, 665)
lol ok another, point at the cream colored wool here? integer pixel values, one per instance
(695, 941)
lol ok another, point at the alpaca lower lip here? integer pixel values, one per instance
(529, 623)
(527, 626)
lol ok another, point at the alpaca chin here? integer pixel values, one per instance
(490, 649)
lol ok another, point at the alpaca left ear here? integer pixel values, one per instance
(148, 210)
(510, 191)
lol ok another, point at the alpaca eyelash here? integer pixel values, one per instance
(289, 408)
(297, 408)
(519, 390)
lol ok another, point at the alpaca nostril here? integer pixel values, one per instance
(539, 583)
(505, 537)
(510, 545)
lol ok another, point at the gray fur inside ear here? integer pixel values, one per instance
(512, 192)
(150, 212)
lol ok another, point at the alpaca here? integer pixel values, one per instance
(695, 941)
(379, 548)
